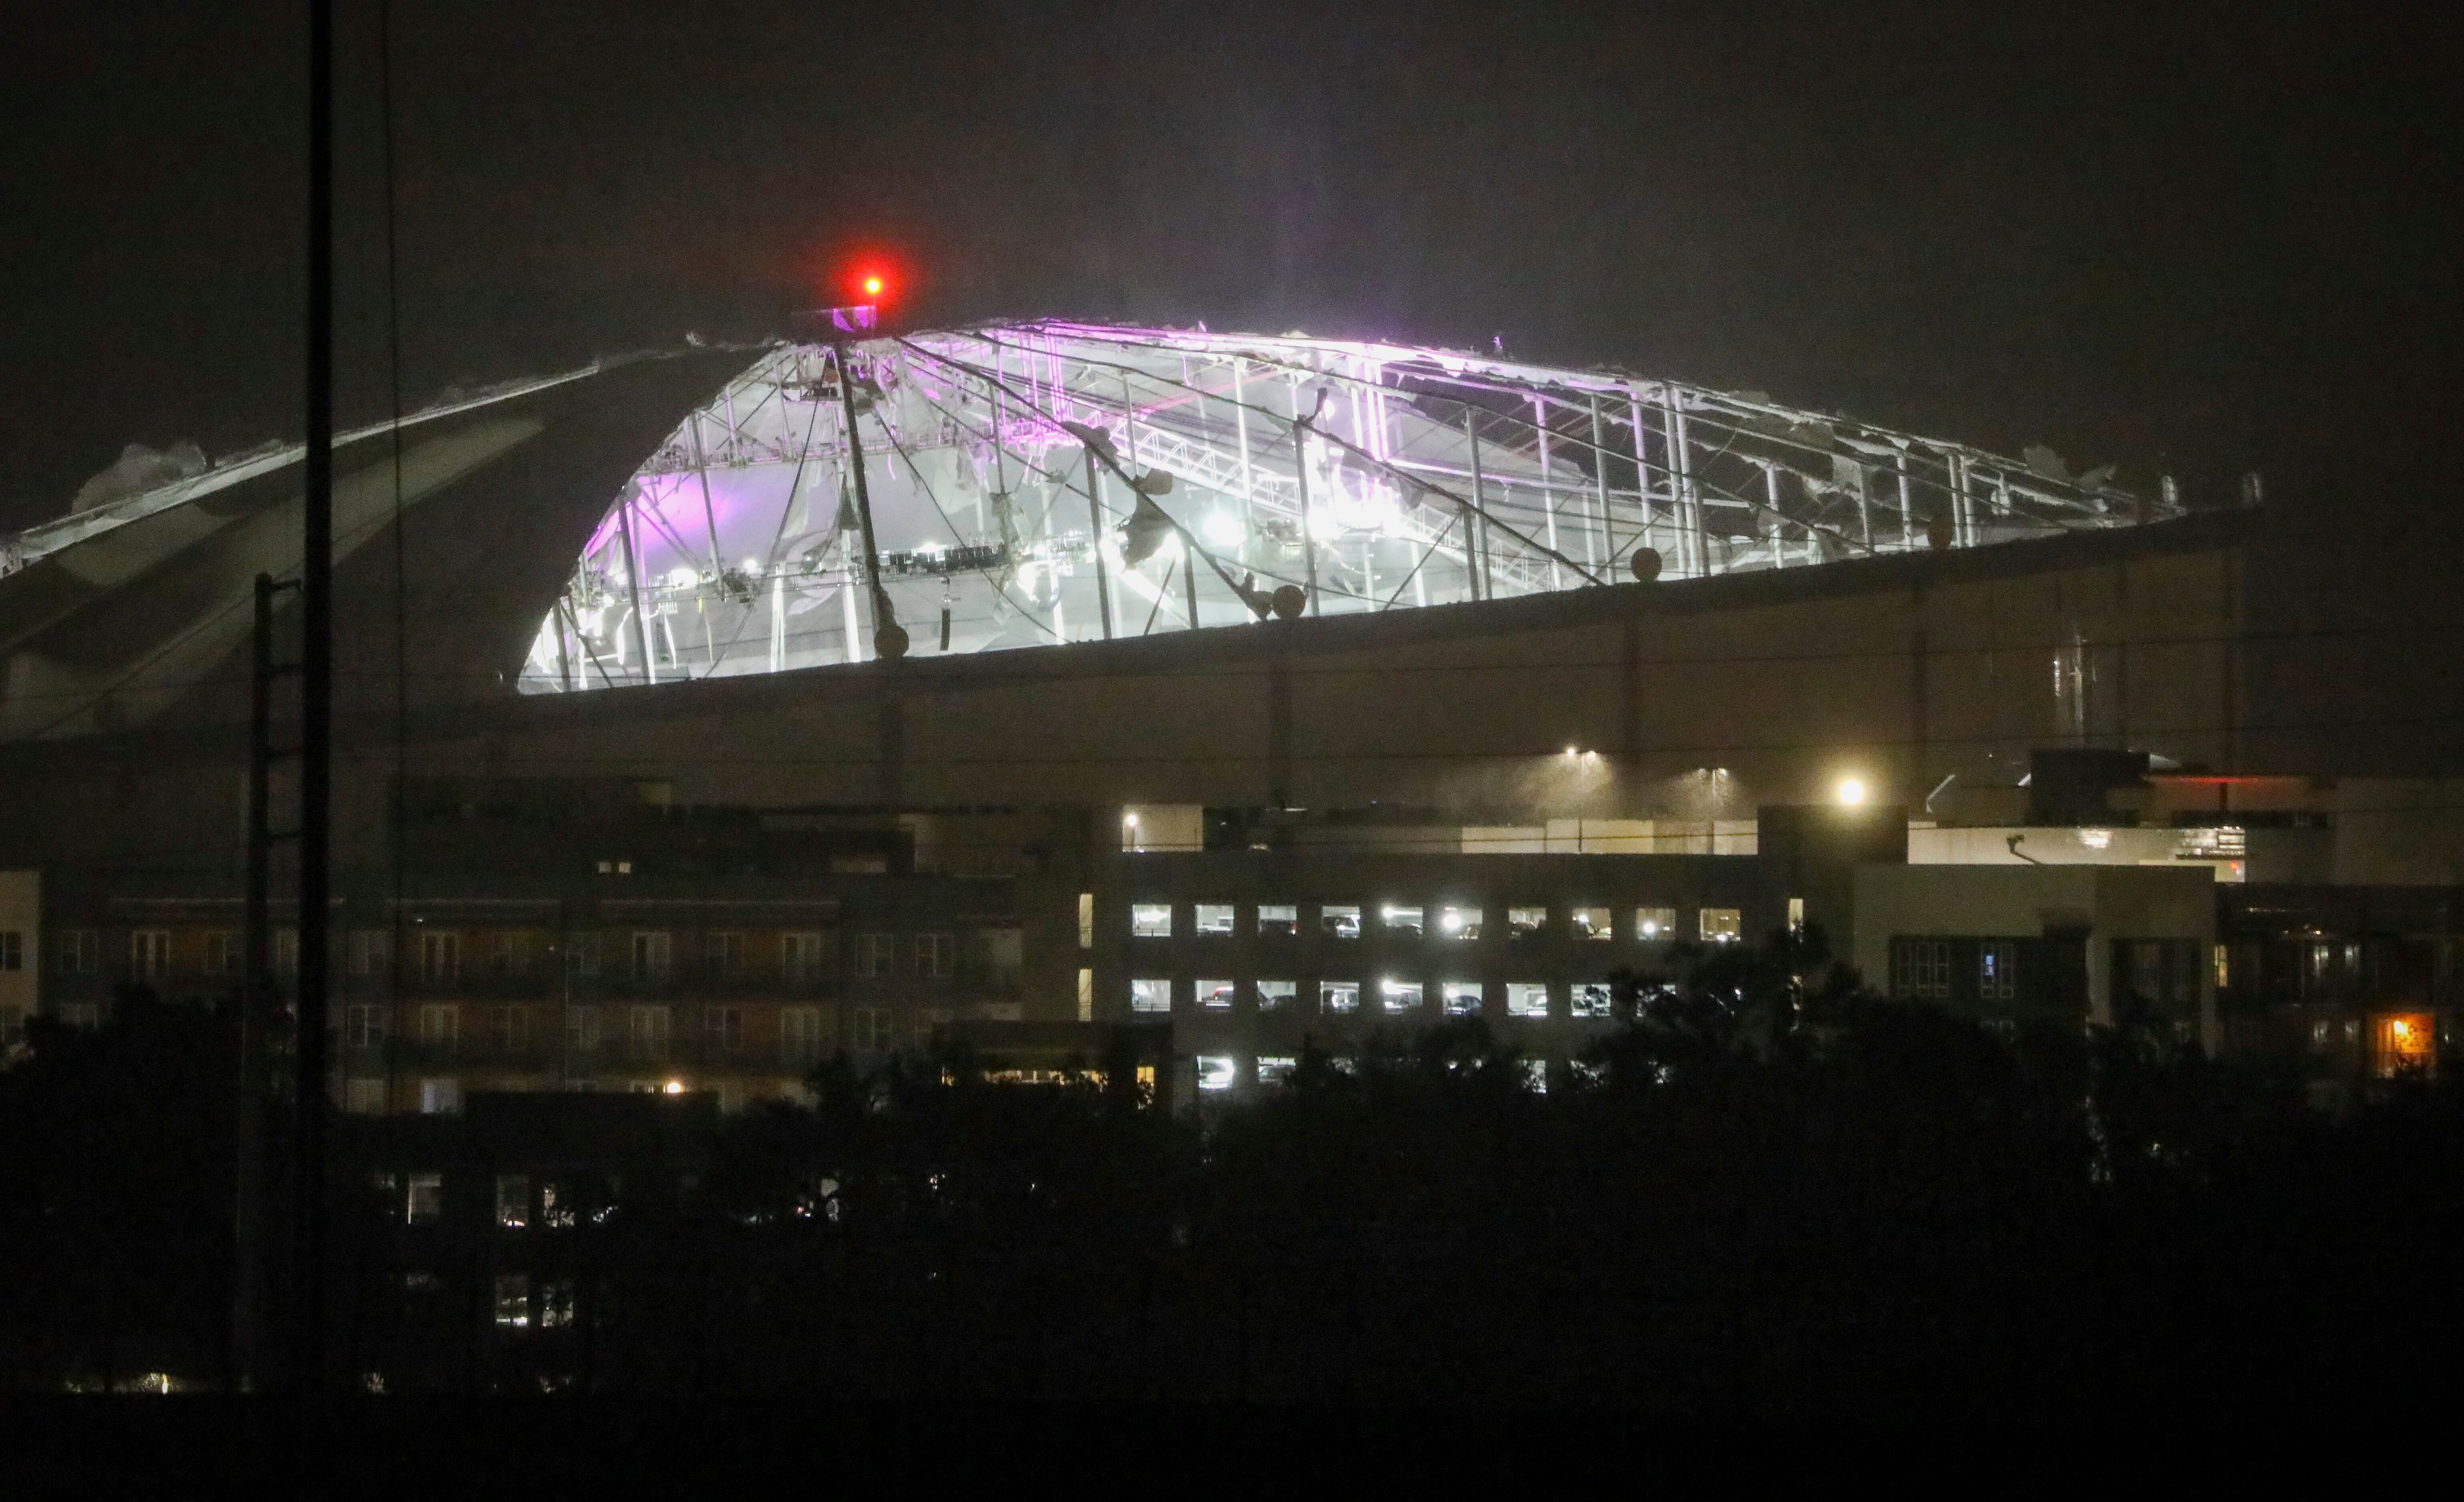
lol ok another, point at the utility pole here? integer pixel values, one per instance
(316, 719)
(257, 1006)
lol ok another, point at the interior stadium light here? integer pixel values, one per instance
(681, 578)
(1223, 529)
(872, 286)
(1852, 792)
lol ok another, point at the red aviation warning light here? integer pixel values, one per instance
(868, 291)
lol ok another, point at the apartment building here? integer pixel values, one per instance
(672, 951)
(1249, 953)
(2361, 983)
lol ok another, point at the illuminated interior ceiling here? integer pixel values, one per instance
(1044, 482)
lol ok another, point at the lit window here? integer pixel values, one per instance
(1086, 994)
(1338, 996)
(1216, 1070)
(1278, 918)
(1339, 921)
(1400, 996)
(1796, 915)
(1655, 925)
(424, 1201)
(440, 1097)
(1722, 925)
(1398, 917)
(513, 1300)
(1215, 995)
(1151, 996)
(1275, 995)
(2406, 1045)
(1276, 1070)
(1150, 921)
(1590, 999)
(363, 1097)
(1459, 922)
(1524, 922)
(1085, 920)
(513, 1201)
(1535, 1076)
(1461, 998)
(1997, 971)
(1214, 917)
(1527, 999)
(556, 1303)
(1590, 923)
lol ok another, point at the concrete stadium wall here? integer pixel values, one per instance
(1898, 672)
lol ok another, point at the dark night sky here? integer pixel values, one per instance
(2203, 236)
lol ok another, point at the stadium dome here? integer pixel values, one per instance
(1045, 482)
(695, 515)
